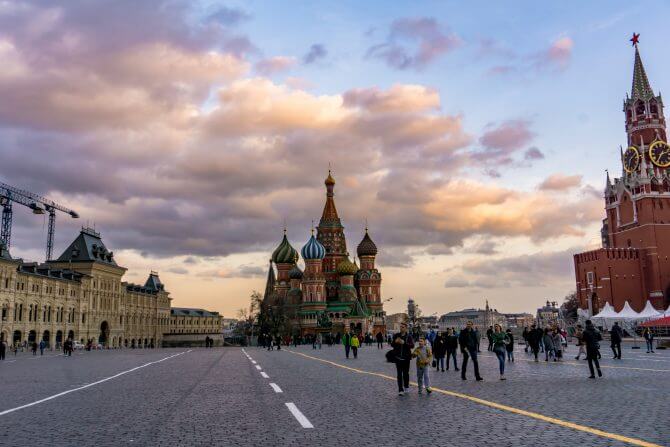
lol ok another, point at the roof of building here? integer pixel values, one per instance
(346, 267)
(87, 247)
(367, 247)
(313, 249)
(329, 217)
(46, 270)
(641, 88)
(154, 282)
(191, 312)
(295, 273)
(269, 284)
(285, 253)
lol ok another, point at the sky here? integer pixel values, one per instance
(473, 138)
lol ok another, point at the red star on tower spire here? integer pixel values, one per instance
(635, 39)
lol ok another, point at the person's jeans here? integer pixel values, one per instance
(355, 351)
(380, 345)
(535, 349)
(466, 355)
(346, 350)
(439, 364)
(402, 370)
(581, 351)
(650, 345)
(423, 376)
(510, 356)
(549, 353)
(592, 357)
(501, 360)
(616, 349)
(452, 354)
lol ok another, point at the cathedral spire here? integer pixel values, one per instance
(269, 284)
(329, 215)
(641, 88)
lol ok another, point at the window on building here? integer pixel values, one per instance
(589, 278)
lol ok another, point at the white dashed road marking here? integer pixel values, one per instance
(258, 367)
(276, 388)
(298, 415)
(265, 376)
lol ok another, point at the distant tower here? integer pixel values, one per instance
(368, 277)
(313, 279)
(284, 257)
(330, 233)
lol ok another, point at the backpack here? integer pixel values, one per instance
(390, 356)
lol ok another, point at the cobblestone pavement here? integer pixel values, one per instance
(221, 397)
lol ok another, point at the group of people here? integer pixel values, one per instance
(550, 340)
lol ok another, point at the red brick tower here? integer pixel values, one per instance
(330, 233)
(633, 263)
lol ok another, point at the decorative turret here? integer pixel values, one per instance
(367, 247)
(347, 268)
(313, 280)
(295, 273)
(313, 249)
(284, 253)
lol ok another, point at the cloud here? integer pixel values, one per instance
(399, 98)
(532, 154)
(315, 53)
(553, 59)
(274, 65)
(500, 142)
(560, 182)
(414, 43)
(229, 16)
(557, 57)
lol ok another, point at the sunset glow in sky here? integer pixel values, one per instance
(472, 137)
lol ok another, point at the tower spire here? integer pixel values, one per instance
(641, 88)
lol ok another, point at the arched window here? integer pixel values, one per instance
(639, 109)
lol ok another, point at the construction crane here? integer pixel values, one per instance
(37, 203)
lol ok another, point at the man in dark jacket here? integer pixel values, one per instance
(452, 346)
(591, 337)
(616, 334)
(534, 337)
(439, 351)
(489, 336)
(402, 354)
(525, 338)
(468, 342)
(380, 340)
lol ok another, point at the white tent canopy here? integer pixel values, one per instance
(606, 312)
(649, 311)
(627, 313)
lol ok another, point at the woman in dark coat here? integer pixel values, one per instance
(439, 351)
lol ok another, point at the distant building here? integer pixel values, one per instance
(393, 322)
(519, 320)
(190, 327)
(548, 314)
(481, 318)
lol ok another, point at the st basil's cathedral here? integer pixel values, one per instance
(332, 293)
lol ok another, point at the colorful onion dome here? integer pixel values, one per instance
(284, 254)
(295, 273)
(313, 249)
(366, 247)
(347, 267)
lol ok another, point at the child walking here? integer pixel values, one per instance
(424, 357)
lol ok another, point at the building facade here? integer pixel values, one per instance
(81, 296)
(481, 318)
(633, 264)
(332, 293)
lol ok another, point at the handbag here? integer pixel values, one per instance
(434, 363)
(390, 356)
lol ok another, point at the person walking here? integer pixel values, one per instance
(451, 344)
(524, 335)
(592, 338)
(355, 343)
(548, 342)
(402, 356)
(478, 337)
(33, 348)
(489, 337)
(534, 337)
(346, 342)
(3, 349)
(649, 339)
(439, 350)
(380, 340)
(580, 342)
(616, 335)
(499, 342)
(510, 346)
(557, 339)
(43, 345)
(423, 356)
(468, 341)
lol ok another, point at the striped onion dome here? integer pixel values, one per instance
(313, 249)
(284, 254)
(366, 247)
(295, 273)
(347, 267)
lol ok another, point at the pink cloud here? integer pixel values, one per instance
(560, 182)
(274, 65)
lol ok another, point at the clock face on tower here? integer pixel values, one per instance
(659, 152)
(631, 159)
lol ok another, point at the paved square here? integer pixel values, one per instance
(302, 396)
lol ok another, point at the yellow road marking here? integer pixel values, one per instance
(488, 403)
(601, 366)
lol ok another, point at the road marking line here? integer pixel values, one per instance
(298, 415)
(601, 365)
(265, 376)
(37, 402)
(276, 388)
(258, 367)
(541, 417)
(254, 362)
